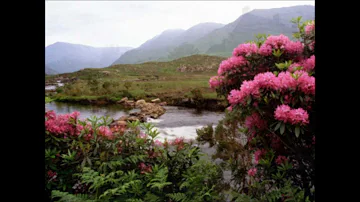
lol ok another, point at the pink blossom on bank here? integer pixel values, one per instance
(281, 159)
(282, 113)
(306, 83)
(294, 47)
(246, 49)
(104, 131)
(309, 64)
(277, 42)
(60, 124)
(310, 27)
(158, 143)
(232, 64)
(259, 154)
(294, 116)
(229, 108)
(216, 81)
(293, 67)
(286, 81)
(299, 116)
(265, 50)
(252, 172)
(266, 80)
(254, 120)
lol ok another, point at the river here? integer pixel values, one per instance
(176, 122)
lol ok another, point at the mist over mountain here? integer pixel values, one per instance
(159, 47)
(64, 57)
(215, 38)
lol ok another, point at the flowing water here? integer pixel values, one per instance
(176, 122)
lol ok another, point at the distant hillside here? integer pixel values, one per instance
(50, 71)
(218, 39)
(160, 47)
(66, 57)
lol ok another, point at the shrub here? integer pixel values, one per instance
(86, 160)
(267, 137)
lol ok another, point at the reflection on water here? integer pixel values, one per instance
(176, 122)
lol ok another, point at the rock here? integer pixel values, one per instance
(163, 104)
(123, 118)
(122, 100)
(185, 100)
(106, 72)
(140, 103)
(130, 103)
(157, 100)
(152, 110)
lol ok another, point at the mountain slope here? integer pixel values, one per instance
(66, 57)
(159, 47)
(267, 21)
(49, 70)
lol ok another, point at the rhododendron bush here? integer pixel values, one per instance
(269, 126)
(93, 160)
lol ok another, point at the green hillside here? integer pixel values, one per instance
(166, 80)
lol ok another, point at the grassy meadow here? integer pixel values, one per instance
(168, 81)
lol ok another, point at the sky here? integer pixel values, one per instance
(131, 23)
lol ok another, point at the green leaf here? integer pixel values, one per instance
(297, 131)
(277, 126)
(301, 99)
(282, 128)
(249, 101)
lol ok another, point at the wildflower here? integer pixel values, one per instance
(252, 172)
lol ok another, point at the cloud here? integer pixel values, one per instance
(131, 23)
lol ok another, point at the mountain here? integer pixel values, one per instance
(49, 70)
(159, 47)
(66, 57)
(274, 21)
(218, 39)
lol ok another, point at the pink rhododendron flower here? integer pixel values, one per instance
(232, 64)
(309, 64)
(158, 143)
(60, 125)
(294, 116)
(246, 49)
(277, 42)
(254, 120)
(294, 47)
(216, 81)
(306, 83)
(286, 81)
(259, 154)
(265, 50)
(282, 113)
(104, 131)
(252, 172)
(229, 108)
(281, 159)
(266, 80)
(310, 27)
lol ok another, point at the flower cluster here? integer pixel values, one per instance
(61, 124)
(215, 81)
(282, 43)
(259, 154)
(285, 81)
(245, 50)
(294, 116)
(52, 175)
(144, 168)
(233, 64)
(252, 172)
(255, 121)
(281, 159)
(310, 27)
